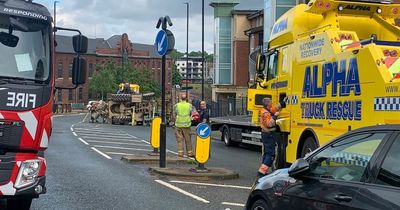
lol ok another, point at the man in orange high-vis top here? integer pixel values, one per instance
(268, 116)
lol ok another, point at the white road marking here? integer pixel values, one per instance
(182, 191)
(132, 136)
(74, 134)
(83, 141)
(213, 185)
(123, 148)
(121, 143)
(232, 204)
(119, 153)
(72, 130)
(104, 155)
(108, 139)
(90, 129)
(105, 136)
(175, 153)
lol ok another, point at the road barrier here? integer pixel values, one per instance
(155, 135)
(203, 143)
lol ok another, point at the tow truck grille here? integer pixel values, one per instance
(10, 134)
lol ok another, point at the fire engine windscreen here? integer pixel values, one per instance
(24, 49)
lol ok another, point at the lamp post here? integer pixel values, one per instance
(187, 47)
(55, 9)
(202, 49)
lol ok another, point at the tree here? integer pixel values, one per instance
(176, 55)
(176, 76)
(103, 81)
(111, 74)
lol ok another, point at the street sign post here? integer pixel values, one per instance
(165, 43)
(203, 142)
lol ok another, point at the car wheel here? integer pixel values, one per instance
(259, 205)
(308, 146)
(20, 204)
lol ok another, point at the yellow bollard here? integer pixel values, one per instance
(155, 132)
(133, 116)
(203, 142)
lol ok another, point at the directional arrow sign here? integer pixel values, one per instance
(203, 130)
(162, 43)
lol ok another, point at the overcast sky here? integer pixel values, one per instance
(138, 18)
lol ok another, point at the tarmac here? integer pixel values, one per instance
(212, 173)
(151, 159)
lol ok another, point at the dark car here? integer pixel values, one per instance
(358, 170)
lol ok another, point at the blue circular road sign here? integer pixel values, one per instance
(203, 130)
(162, 42)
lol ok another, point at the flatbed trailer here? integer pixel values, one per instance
(237, 129)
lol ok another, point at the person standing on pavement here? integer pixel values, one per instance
(203, 111)
(183, 121)
(268, 116)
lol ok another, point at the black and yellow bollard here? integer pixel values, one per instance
(203, 143)
(155, 136)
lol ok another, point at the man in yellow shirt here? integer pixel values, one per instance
(183, 121)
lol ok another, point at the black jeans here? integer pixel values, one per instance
(268, 140)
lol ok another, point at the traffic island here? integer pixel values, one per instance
(211, 172)
(151, 159)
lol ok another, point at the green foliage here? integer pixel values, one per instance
(110, 74)
(176, 77)
(175, 55)
(103, 81)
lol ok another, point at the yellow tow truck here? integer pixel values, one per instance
(337, 65)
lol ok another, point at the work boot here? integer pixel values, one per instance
(190, 154)
(180, 154)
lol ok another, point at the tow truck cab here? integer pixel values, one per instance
(26, 97)
(337, 65)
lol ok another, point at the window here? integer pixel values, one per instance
(389, 174)
(70, 70)
(347, 159)
(70, 95)
(90, 69)
(80, 94)
(59, 95)
(59, 70)
(272, 65)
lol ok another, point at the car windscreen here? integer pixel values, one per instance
(24, 49)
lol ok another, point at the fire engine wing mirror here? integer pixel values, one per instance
(80, 44)
(8, 40)
(79, 71)
(260, 63)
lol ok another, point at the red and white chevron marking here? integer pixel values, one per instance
(34, 129)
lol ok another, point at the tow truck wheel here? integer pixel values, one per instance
(20, 204)
(226, 137)
(309, 145)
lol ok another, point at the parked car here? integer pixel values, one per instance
(358, 170)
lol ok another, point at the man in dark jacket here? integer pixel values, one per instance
(203, 112)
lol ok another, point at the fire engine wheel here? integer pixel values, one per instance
(121, 97)
(309, 145)
(20, 204)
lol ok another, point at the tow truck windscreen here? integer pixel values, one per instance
(24, 49)
(374, 1)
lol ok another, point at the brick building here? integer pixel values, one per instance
(141, 56)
